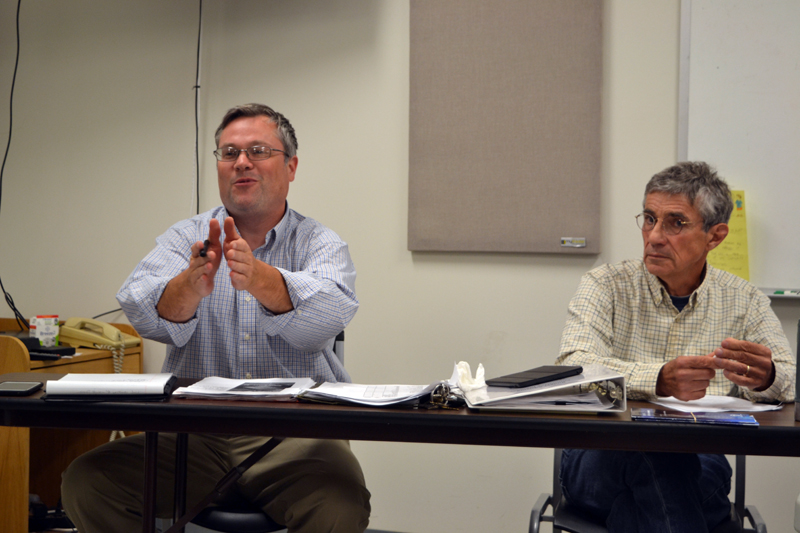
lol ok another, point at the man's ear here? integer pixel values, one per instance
(716, 235)
(291, 166)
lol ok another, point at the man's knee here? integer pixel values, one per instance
(331, 503)
(315, 485)
(84, 475)
(100, 473)
(330, 459)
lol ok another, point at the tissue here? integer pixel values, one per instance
(465, 380)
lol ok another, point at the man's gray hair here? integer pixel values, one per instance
(285, 131)
(700, 184)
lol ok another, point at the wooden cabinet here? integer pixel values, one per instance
(31, 460)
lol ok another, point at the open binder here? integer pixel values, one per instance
(596, 390)
(290, 389)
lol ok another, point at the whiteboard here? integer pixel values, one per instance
(740, 93)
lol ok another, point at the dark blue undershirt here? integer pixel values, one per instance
(680, 301)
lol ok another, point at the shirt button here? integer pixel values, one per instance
(247, 336)
(247, 298)
(248, 376)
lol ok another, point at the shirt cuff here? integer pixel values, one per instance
(643, 381)
(179, 332)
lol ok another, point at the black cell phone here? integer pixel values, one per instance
(535, 376)
(19, 388)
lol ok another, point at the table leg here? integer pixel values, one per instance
(150, 485)
(181, 450)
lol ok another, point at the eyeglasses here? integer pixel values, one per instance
(254, 153)
(671, 224)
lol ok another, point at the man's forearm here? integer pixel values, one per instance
(271, 290)
(178, 302)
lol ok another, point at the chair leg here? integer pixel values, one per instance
(752, 515)
(538, 513)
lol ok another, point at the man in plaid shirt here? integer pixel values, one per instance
(249, 289)
(675, 326)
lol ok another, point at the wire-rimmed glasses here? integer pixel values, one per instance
(670, 224)
(254, 153)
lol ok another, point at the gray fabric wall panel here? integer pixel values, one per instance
(504, 125)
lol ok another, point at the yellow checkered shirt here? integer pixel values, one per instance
(623, 318)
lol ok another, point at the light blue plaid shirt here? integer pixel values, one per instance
(232, 334)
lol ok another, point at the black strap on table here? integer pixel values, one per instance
(225, 483)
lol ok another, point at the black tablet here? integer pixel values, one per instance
(535, 376)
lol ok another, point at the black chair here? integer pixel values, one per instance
(566, 518)
(243, 517)
(240, 517)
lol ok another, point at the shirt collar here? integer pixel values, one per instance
(274, 235)
(277, 233)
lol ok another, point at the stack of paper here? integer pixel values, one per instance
(372, 395)
(272, 389)
(284, 389)
(110, 386)
(715, 404)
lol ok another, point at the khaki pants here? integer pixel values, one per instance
(309, 485)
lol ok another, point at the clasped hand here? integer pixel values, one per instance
(244, 266)
(745, 363)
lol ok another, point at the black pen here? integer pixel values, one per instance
(204, 251)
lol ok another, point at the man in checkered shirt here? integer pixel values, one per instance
(674, 326)
(249, 289)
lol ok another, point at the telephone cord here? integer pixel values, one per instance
(118, 356)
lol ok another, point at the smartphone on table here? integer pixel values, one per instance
(535, 376)
(19, 388)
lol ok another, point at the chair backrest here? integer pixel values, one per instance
(797, 373)
(338, 346)
(741, 471)
(557, 474)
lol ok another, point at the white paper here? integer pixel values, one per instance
(715, 404)
(94, 384)
(272, 389)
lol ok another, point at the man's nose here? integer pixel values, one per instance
(657, 233)
(243, 161)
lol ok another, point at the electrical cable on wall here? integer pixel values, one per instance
(197, 109)
(9, 300)
(20, 318)
(107, 313)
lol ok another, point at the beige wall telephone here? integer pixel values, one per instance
(94, 333)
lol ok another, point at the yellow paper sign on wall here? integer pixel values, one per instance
(732, 255)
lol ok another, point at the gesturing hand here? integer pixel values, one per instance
(182, 295)
(244, 266)
(747, 364)
(249, 274)
(201, 270)
(686, 377)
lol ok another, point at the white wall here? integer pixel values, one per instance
(101, 163)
